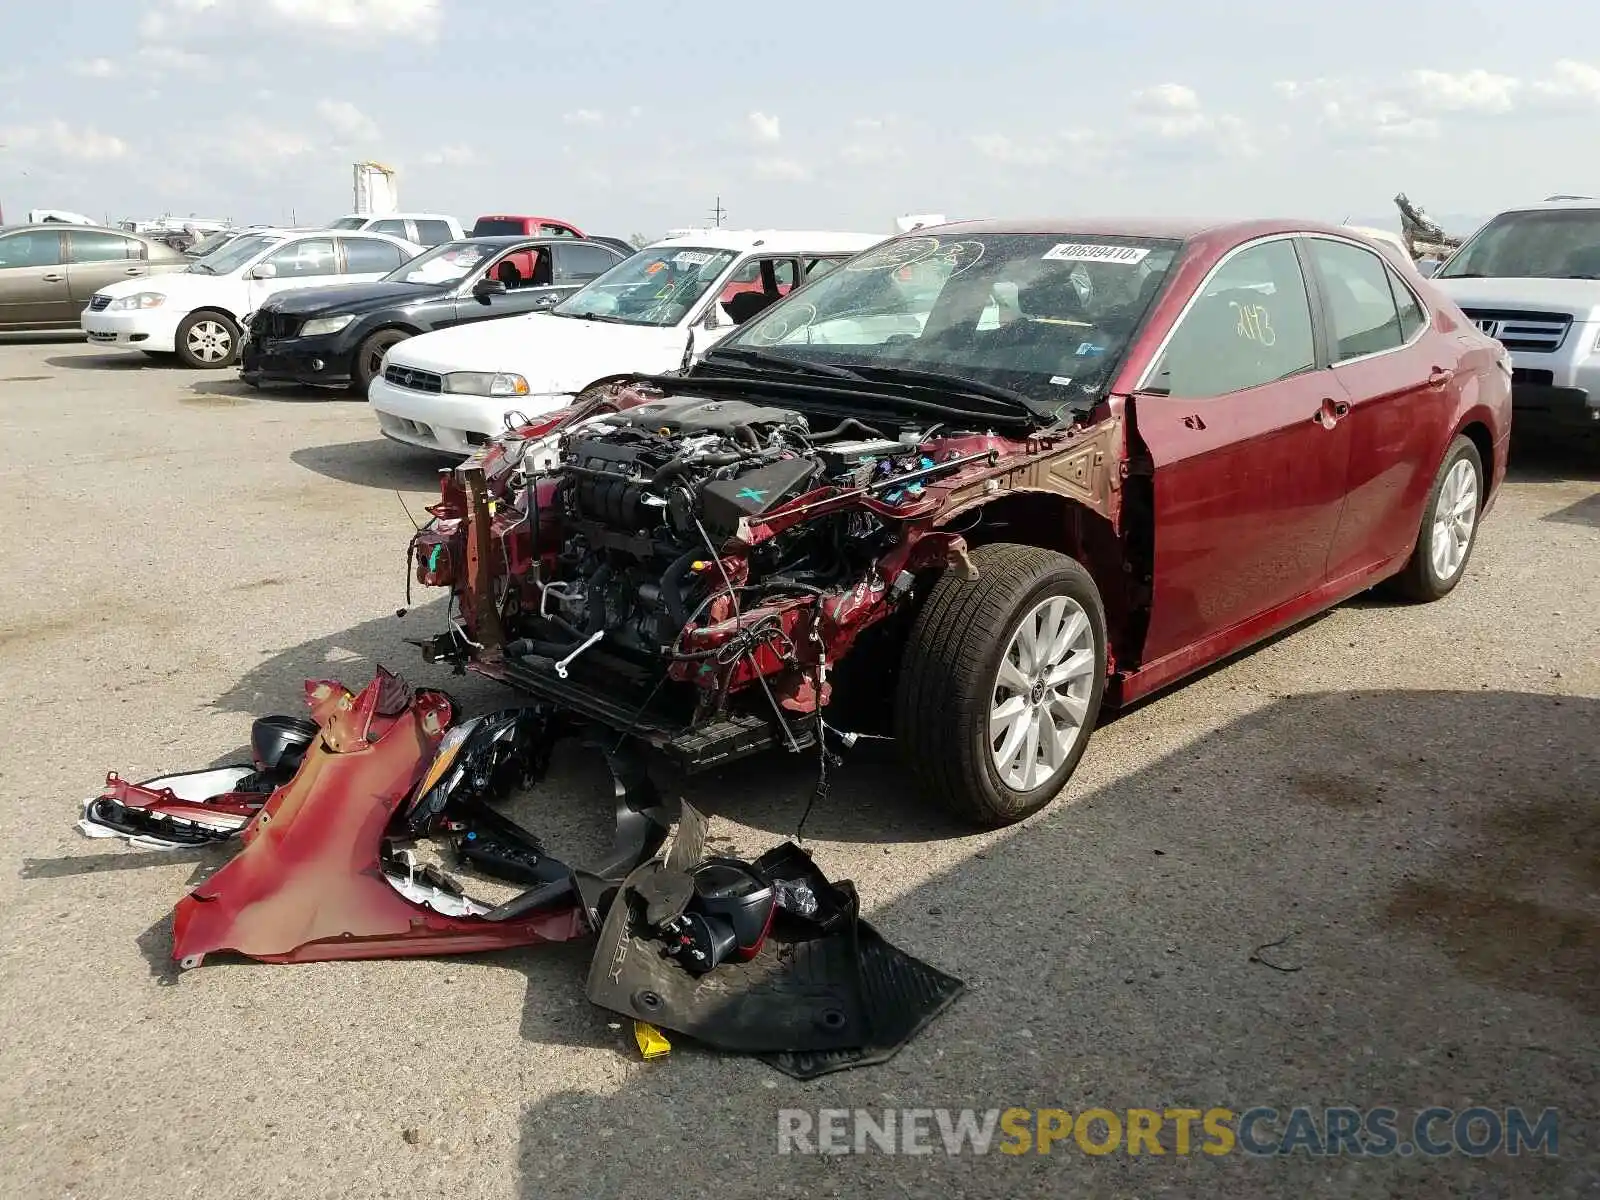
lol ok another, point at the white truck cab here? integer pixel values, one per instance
(422, 229)
(1530, 277)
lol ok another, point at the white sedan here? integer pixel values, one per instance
(197, 314)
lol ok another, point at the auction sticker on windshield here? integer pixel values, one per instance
(692, 258)
(1089, 252)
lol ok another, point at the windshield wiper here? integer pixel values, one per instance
(200, 266)
(586, 316)
(766, 359)
(938, 379)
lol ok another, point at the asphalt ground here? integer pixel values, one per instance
(1358, 866)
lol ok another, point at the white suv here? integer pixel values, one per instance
(425, 229)
(1531, 278)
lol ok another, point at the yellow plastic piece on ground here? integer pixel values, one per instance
(652, 1042)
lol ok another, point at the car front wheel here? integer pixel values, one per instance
(369, 357)
(1449, 526)
(1001, 682)
(207, 339)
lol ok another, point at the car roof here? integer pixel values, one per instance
(1579, 203)
(1181, 229)
(781, 241)
(397, 216)
(521, 239)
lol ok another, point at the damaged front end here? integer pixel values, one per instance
(688, 570)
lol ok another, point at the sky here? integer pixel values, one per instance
(628, 116)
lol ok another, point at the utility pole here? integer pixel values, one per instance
(718, 213)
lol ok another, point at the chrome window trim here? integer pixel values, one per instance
(1183, 314)
(1427, 313)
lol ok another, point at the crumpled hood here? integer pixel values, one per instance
(355, 298)
(554, 354)
(1580, 297)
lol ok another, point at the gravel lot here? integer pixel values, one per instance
(1406, 797)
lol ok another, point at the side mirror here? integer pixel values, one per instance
(487, 287)
(264, 271)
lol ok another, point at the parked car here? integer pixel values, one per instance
(49, 270)
(1531, 278)
(627, 248)
(499, 226)
(338, 336)
(423, 229)
(1111, 453)
(196, 313)
(451, 390)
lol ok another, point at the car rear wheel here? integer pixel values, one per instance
(1449, 526)
(207, 339)
(369, 357)
(1001, 682)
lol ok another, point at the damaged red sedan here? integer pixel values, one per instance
(976, 482)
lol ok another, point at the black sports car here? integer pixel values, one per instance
(337, 336)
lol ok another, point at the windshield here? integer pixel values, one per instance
(1045, 316)
(211, 243)
(657, 286)
(497, 226)
(1542, 244)
(235, 254)
(348, 223)
(442, 264)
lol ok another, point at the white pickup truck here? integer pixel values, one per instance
(1531, 278)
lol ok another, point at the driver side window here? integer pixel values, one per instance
(1250, 326)
(312, 256)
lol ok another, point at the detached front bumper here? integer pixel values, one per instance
(314, 361)
(141, 329)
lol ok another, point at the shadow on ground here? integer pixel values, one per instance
(378, 463)
(1428, 864)
(120, 360)
(1540, 457)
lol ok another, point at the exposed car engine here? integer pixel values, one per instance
(649, 495)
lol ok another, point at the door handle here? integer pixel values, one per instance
(134, 271)
(52, 278)
(1440, 376)
(1331, 412)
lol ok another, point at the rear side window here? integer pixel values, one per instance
(434, 233)
(392, 227)
(818, 267)
(1412, 318)
(367, 256)
(1361, 307)
(1250, 326)
(574, 263)
(555, 231)
(88, 247)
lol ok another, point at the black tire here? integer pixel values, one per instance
(369, 355)
(217, 332)
(1419, 580)
(949, 669)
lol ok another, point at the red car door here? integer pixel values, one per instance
(1243, 425)
(1399, 376)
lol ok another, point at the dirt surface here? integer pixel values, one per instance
(1403, 800)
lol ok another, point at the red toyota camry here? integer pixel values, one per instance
(1022, 468)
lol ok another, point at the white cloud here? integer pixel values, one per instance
(1476, 91)
(783, 170)
(584, 116)
(451, 156)
(764, 128)
(347, 121)
(1571, 80)
(1167, 98)
(1012, 152)
(171, 20)
(58, 140)
(95, 68)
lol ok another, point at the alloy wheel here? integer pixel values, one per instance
(209, 341)
(1041, 693)
(1455, 513)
